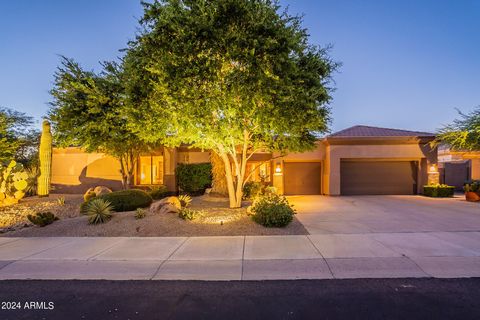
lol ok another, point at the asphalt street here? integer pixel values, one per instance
(301, 299)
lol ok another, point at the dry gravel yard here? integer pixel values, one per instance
(216, 220)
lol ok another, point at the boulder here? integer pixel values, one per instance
(89, 194)
(166, 205)
(101, 190)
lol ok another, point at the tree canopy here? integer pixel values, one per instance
(86, 111)
(463, 133)
(16, 135)
(233, 76)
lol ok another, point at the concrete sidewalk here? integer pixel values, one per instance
(323, 256)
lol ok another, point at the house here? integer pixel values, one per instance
(355, 161)
(457, 167)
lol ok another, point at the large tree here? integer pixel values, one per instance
(233, 76)
(17, 138)
(87, 111)
(463, 133)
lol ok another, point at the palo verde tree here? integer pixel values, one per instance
(86, 111)
(231, 76)
(463, 133)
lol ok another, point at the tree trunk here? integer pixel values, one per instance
(123, 173)
(219, 183)
(229, 176)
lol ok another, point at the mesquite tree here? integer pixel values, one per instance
(87, 111)
(232, 76)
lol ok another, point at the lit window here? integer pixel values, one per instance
(150, 170)
(262, 171)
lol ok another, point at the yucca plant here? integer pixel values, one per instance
(185, 200)
(61, 201)
(99, 211)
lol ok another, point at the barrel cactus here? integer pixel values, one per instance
(14, 181)
(45, 155)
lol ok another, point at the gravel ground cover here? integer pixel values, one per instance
(216, 219)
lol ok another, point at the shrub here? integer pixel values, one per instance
(158, 192)
(185, 200)
(194, 178)
(252, 189)
(188, 214)
(140, 213)
(99, 211)
(272, 211)
(42, 218)
(438, 191)
(125, 200)
(472, 186)
(270, 190)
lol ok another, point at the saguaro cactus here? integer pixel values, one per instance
(45, 155)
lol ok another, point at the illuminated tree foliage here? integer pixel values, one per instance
(463, 133)
(233, 76)
(86, 112)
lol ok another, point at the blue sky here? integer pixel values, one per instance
(406, 64)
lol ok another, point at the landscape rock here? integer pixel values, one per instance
(166, 205)
(99, 190)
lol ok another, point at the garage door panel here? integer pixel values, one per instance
(377, 177)
(302, 178)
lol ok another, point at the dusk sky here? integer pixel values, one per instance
(406, 64)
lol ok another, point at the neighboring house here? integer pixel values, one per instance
(357, 160)
(456, 167)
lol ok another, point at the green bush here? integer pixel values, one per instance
(125, 200)
(42, 218)
(159, 192)
(99, 211)
(189, 214)
(272, 210)
(140, 213)
(252, 189)
(438, 191)
(472, 186)
(193, 179)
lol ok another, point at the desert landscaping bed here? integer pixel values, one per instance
(216, 220)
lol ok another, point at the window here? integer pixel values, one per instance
(262, 171)
(150, 170)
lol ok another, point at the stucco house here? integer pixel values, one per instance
(355, 161)
(456, 167)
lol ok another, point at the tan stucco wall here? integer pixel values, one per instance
(335, 153)
(193, 157)
(75, 171)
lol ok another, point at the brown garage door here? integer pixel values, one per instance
(378, 177)
(302, 178)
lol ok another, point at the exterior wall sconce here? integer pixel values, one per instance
(278, 168)
(433, 169)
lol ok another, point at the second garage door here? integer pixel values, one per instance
(378, 177)
(302, 178)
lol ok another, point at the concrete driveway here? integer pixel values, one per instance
(385, 214)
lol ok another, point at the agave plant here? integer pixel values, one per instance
(99, 211)
(185, 200)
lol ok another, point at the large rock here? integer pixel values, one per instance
(101, 190)
(166, 205)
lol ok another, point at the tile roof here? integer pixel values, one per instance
(367, 131)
